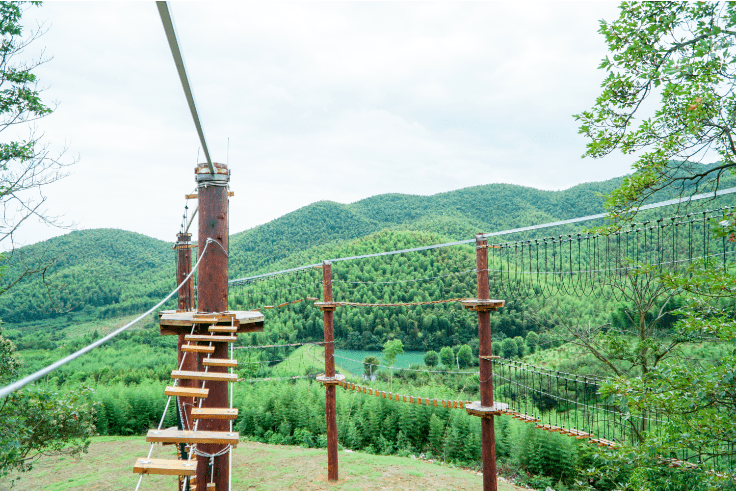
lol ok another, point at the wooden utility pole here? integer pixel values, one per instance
(212, 296)
(330, 379)
(185, 303)
(486, 409)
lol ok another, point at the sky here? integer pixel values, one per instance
(310, 101)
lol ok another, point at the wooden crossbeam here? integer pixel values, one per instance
(216, 376)
(165, 466)
(184, 436)
(219, 362)
(186, 392)
(214, 413)
(213, 339)
(196, 348)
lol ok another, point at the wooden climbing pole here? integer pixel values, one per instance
(485, 408)
(203, 437)
(330, 379)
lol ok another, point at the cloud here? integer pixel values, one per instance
(339, 101)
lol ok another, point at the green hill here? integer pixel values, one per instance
(454, 214)
(105, 273)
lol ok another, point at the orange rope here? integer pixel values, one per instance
(404, 398)
(408, 304)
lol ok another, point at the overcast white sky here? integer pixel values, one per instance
(321, 101)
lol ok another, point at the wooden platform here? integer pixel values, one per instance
(476, 409)
(216, 376)
(210, 339)
(478, 304)
(186, 392)
(214, 413)
(219, 362)
(165, 466)
(174, 322)
(196, 348)
(183, 436)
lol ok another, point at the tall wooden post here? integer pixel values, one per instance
(212, 296)
(485, 408)
(330, 379)
(185, 303)
(488, 444)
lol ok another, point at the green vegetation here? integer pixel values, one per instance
(256, 466)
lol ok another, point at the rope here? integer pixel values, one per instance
(166, 409)
(407, 304)
(451, 404)
(282, 345)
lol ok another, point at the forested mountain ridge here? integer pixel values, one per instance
(105, 272)
(455, 214)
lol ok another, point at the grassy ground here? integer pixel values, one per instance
(256, 466)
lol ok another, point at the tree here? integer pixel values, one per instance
(509, 348)
(684, 53)
(369, 366)
(465, 356)
(392, 349)
(447, 356)
(532, 340)
(36, 421)
(25, 165)
(431, 358)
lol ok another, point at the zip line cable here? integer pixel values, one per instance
(8, 389)
(171, 37)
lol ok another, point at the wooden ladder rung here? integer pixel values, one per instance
(165, 466)
(214, 413)
(216, 376)
(185, 436)
(223, 328)
(210, 487)
(196, 348)
(204, 338)
(219, 362)
(186, 392)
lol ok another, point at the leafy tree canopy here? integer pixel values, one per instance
(683, 53)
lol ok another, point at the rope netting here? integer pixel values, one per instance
(599, 264)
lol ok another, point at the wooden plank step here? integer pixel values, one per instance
(210, 487)
(223, 328)
(204, 338)
(216, 376)
(195, 348)
(165, 466)
(185, 436)
(186, 392)
(219, 362)
(214, 413)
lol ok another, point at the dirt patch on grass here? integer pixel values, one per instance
(109, 466)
